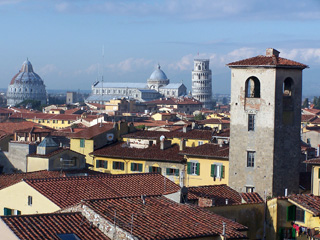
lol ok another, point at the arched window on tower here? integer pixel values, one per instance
(287, 87)
(253, 87)
(287, 101)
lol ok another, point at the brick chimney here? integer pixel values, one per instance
(165, 144)
(272, 52)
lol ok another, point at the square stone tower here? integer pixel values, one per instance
(265, 124)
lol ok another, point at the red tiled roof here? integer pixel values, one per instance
(267, 61)
(217, 192)
(192, 134)
(252, 197)
(214, 121)
(315, 121)
(7, 180)
(59, 150)
(315, 161)
(161, 218)
(175, 101)
(122, 150)
(5, 111)
(69, 191)
(308, 201)
(11, 127)
(307, 117)
(36, 129)
(73, 111)
(312, 111)
(152, 123)
(47, 226)
(46, 116)
(93, 131)
(208, 150)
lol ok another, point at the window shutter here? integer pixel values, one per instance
(213, 166)
(291, 213)
(189, 167)
(176, 172)
(132, 166)
(319, 173)
(159, 169)
(198, 169)
(150, 168)
(7, 211)
(140, 167)
(97, 163)
(18, 212)
(222, 171)
(168, 171)
(105, 164)
(122, 165)
(114, 165)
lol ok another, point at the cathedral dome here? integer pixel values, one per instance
(26, 85)
(158, 74)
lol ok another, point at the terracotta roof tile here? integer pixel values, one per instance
(47, 226)
(46, 116)
(93, 131)
(312, 111)
(122, 150)
(315, 121)
(252, 197)
(208, 150)
(217, 192)
(267, 61)
(7, 180)
(315, 161)
(11, 127)
(308, 201)
(307, 117)
(175, 101)
(70, 191)
(59, 150)
(161, 218)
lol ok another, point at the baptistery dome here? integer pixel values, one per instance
(157, 79)
(26, 85)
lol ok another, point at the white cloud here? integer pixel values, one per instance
(185, 63)
(309, 55)
(7, 2)
(130, 65)
(47, 69)
(62, 7)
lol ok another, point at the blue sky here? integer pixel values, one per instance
(64, 39)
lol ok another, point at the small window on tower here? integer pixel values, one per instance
(251, 122)
(250, 158)
(253, 87)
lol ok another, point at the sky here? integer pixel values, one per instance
(72, 43)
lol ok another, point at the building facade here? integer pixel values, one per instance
(26, 85)
(265, 124)
(202, 82)
(158, 85)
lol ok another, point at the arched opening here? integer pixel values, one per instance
(287, 87)
(253, 87)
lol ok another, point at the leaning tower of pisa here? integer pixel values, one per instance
(202, 82)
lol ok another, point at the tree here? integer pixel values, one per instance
(305, 103)
(198, 117)
(316, 102)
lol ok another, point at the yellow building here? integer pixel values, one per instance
(293, 217)
(207, 164)
(315, 175)
(123, 157)
(163, 116)
(215, 123)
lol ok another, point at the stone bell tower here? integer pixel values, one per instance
(265, 124)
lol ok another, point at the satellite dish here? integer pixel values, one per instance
(162, 138)
(110, 136)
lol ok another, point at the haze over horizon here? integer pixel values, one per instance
(64, 39)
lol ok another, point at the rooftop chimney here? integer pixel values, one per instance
(272, 52)
(182, 144)
(165, 144)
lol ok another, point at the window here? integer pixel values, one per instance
(309, 141)
(200, 143)
(251, 122)
(29, 200)
(118, 165)
(253, 87)
(299, 214)
(295, 214)
(136, 167)
(193, 168)
(53, 121)
(154, 169)
(217, 171)
(287, 87)
(250, 159)
(249, 189)
(101, 164)
(7, 211)
(172, 171)
(62, 121)
(82, 143)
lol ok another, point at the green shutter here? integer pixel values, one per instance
(281, 233)
(82, 143)
(291, 213)
(7, 211)
(176, 172)
(140, 167)
(132, 167)
(293, 233)
(122, 165)
(189, 167)
(159, 170)
(198, 169)
(105, 164)
(222, 171)
(150, 168)
(113, 165)
(213, 167)
(319, 173)
(18, 212)
(168, 171)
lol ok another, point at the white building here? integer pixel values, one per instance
(158, 85)
(202, 82)
(26, 85)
